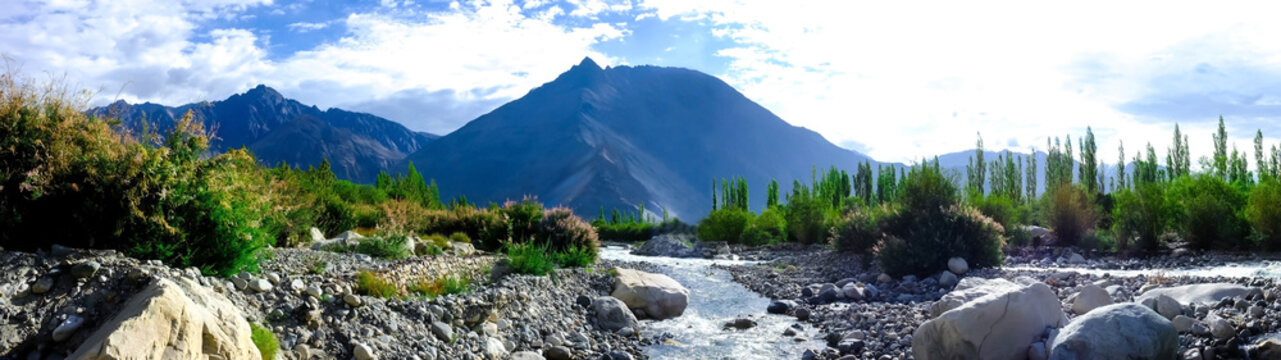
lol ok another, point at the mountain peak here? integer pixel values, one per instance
(588, 63)
(262, 91)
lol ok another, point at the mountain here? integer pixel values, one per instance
(622, 136)
(277, 129)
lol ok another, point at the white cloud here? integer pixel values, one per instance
(891, 75)
(303, 26)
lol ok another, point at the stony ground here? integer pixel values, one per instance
(885, 321)
(305, 298)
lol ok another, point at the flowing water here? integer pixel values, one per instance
(1231, 270)
(715, 299)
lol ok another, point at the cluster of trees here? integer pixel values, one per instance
(637, 225)
(1142, 206)
(164, 196)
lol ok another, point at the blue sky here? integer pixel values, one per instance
(895, 80)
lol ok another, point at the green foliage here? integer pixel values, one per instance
(1000, 208)
(387, 247)
(920, 241)
(523, 218)
(1140, 213)
(726, 224)
(767, 228)
(563, 231)
(316, 265)
(151, 198)
(264, 340)
(370, 284)
(1264, 212)
(445, 285)
(1071, 214)
(576, 257)
(460, 237)
(860, 229)
(530, 258)
(805, 216)
(1208, 212)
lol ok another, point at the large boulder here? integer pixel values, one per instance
(347, 238)
(1091, 297)
(958, 266)
(657, 296)
(968, 289)
(667, 245)
(1000, 325)
(1120, 332)
(172, 320)
(1201, 294)
(612, 314)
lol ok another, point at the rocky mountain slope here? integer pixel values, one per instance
(277, 129)
(621, 136)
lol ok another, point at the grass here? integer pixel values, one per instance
(265, 341)
(370, 284)
(459, 237)
(530, 259)
(316, 265)
(389, 247)
(445, 285)
(576, 257)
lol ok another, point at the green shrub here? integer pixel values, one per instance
(767, 228)
(1099, 240)
(460, 237)
(626, 231)
(438, 240)
(1208, 212)
(1264, 212)
(860, 229)
(725, 224)
(158, 198)
(1000, 208)
(445, 285)
(530, 258)
(806, 219)
(921, 245)
(1071, 214)
(522, 219)
(930, 227)
(370, 284)
(385, 247)
(576, 257)
(1140, 213)
(264, 340)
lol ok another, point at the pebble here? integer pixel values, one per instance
(558, 353)
(85, 269)
(351, 300)
(260, 285)
(363, 352)
(43, 285)
(67, 327)
(315, 291)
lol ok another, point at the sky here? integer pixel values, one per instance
(895, 80)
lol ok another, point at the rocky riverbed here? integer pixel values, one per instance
(51, 302)
(864, 314)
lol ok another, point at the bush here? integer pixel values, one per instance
(576, 257)
(1071, 214)
(445, 285)
(459, 237)
(386, 247)
(370, 284)
(724, 225)
(1141, 214)
(523, 218)
(930, 227)
(806, 218)
(152, 199)
(626, 231)
(562, 231)
(1264, 213)
(860, 229)
(1207, 211)
(264, 340)
(438, 240)
(530, 259)
(921, 245)
(1000, 208)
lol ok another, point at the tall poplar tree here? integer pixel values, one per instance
(1221, 151)
(1089, 166)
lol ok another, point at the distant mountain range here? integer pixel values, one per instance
(622, 136)
(592, 138)
(277, 129)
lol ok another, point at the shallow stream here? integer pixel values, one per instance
(715, 299)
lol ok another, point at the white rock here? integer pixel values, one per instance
(240, 284)
(1074, 258)
(1167, 306)
(172, 320)
(1200, 294)
(316, 235)
(967, 289)
(658, 295)
(297, 285)
(1000, 325)
(494, 348)
(958, 266)
(1090, 297)
(947, 278)
(1183, 323)
(260, 285)
(1120, 331)
(852, 292)
(315, 291)
(363, 352)
(274, 278)
(351, 299)
(1219, 327)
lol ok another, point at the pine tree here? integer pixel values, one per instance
(1221, 151)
